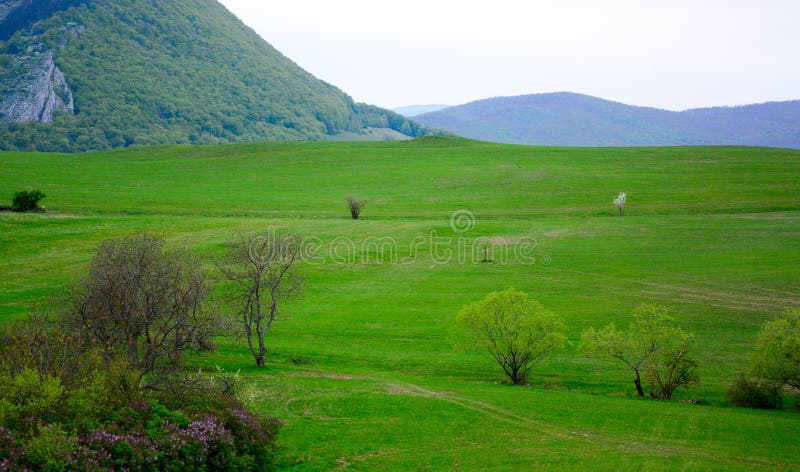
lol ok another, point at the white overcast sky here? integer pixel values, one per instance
(672, 54)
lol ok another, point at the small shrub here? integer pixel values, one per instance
(755, 393)
(355, 205)
(300, 360)
(620, 201)
(26, 200)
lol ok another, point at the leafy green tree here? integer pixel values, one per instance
(516, 331)
(777, 354)
(651, 333)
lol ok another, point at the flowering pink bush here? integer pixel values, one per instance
(10, 454)
(149, 437)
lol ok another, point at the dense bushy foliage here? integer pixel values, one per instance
(755, 393)
(30, 12)
(95, 387)
(177, 423)
(774, 364)
(217, 434)
(776, 357)
(178, 72)
(26, 200)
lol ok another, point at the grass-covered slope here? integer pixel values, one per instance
(570, 119)
(181, 71)
(364, 373)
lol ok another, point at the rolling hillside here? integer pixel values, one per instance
(364, 372)
(569, 119)
(87, 74)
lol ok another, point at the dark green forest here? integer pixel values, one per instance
(182, 72)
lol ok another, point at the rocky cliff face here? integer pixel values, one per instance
(32, 86)
(36, 89)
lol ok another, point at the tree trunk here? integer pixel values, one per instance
(133, 352)
(638, 382)
(260, 361)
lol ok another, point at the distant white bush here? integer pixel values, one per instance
(619, 202)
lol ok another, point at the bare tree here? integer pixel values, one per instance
(355, 206)
(142, 303)
(263, 268)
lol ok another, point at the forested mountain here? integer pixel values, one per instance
(570, 119)
(92, 74)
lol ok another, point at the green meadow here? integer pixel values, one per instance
(363, 370)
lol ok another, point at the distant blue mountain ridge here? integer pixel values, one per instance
(571, 119)
(415, 110)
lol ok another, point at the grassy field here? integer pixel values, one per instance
(363, 372)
